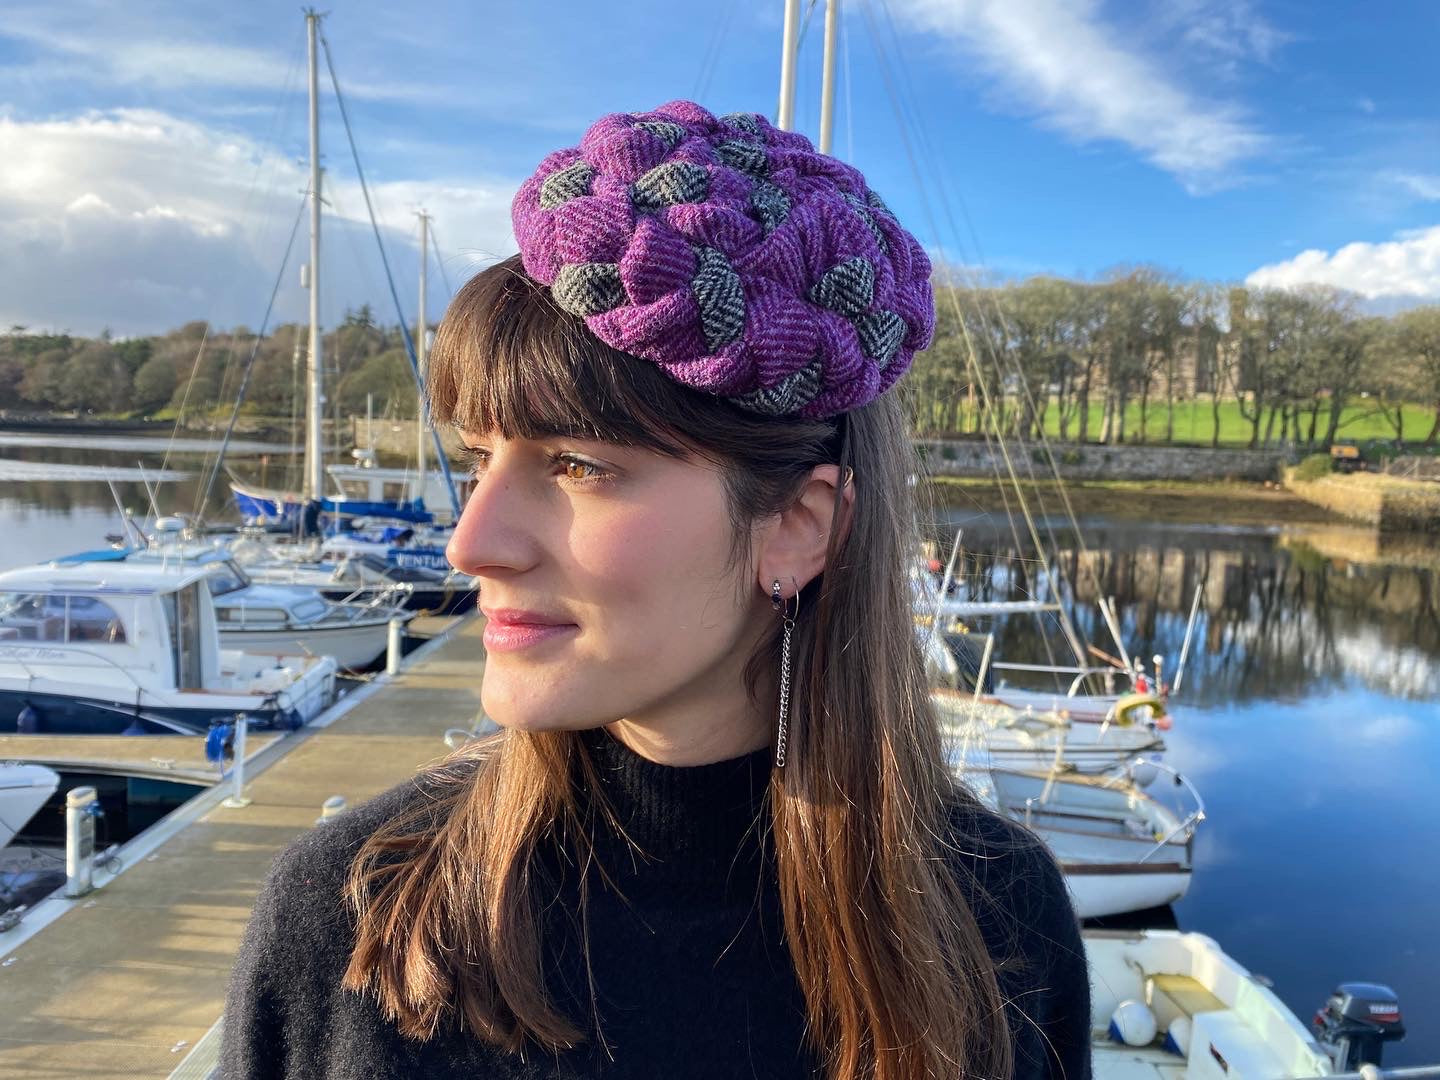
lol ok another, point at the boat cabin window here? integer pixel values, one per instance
(242, 615)
(395, 491)
(307, 610)
(226, 577)
(59, 620)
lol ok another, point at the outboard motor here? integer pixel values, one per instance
(1356, 1022)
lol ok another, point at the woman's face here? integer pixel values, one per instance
(607, 581)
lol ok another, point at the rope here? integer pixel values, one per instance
(390, 278)
(439, 262)
(250, 360)
(971, 352)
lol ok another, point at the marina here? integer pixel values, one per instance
(1219, 710)
(1265, 728)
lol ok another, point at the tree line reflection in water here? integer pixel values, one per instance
(1281, 616)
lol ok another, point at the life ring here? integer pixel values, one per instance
(1127, 711)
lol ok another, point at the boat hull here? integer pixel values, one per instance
(78, 714)
(354, 646)
(23, 790)
(1099, 891)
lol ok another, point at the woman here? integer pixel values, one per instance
(716, 836)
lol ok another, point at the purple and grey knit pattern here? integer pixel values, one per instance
(734, 255)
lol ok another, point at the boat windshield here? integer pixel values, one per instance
(59, 620)
(226, 577)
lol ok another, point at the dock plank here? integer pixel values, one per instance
(119, 982)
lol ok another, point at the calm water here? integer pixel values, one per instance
(1309, 719)
(1309, 716)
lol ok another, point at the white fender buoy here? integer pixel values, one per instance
(1132, 1023)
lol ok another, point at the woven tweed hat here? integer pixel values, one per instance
(733, 255)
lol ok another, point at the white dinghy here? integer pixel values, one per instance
(1120, 849)
(1166, 1005)
(116, 648)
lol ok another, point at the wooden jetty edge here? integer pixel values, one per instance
(127, 980)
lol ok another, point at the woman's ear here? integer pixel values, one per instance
(793, 544)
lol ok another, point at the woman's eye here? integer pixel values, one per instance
(580, 470)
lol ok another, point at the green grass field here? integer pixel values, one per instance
(1195, 424)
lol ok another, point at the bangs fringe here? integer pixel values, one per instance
(508, 359)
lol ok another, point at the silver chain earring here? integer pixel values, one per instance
(779, 604)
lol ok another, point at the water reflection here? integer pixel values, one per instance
(1282, 615)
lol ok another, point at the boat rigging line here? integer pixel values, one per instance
(250, 360)
(390, 279)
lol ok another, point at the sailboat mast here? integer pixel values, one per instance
(314, 485)
(422, 429)
(827, 78)
(789, 46)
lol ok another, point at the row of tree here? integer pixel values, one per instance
(1104, 361)
(194, 372)
(1086, 359)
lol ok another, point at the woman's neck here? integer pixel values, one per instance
(702, 741)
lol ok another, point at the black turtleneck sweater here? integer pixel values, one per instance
(691, 972)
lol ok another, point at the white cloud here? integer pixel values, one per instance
(139, 221)
(1418, 184)
(1408, 266)
(1059, 60)
(1230, 30)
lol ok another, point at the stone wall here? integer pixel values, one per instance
(966, 457)
(1382, 501)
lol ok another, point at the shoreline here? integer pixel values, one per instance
(1180, 502)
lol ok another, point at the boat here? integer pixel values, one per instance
(356, 578)
(1091, 695)
(1168, 1005)
(23, 791)
(269, 618)
(134, 648)
(1121, 849)
(1030, 738)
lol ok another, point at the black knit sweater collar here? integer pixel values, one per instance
(695, 820)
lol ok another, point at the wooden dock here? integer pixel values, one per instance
(125, 981)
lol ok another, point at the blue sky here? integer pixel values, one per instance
(152, 152)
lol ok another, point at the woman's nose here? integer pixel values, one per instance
(490, 534)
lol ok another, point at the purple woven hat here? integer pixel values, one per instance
(734, 255)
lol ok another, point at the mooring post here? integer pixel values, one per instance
(237, 771)
(80, 806)
(333, 807)
(392, 646)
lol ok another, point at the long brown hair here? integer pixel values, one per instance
(895, 973)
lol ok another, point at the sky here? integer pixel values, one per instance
(153, 154)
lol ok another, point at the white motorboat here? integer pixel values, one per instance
(270, 618)
(1121, 850)
(119, 647)
(1031, 739)
(356, 578)
(1166, 1005)
(23, 790)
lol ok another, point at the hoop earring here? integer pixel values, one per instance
(782, 735)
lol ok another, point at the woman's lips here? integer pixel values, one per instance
(501, 636)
